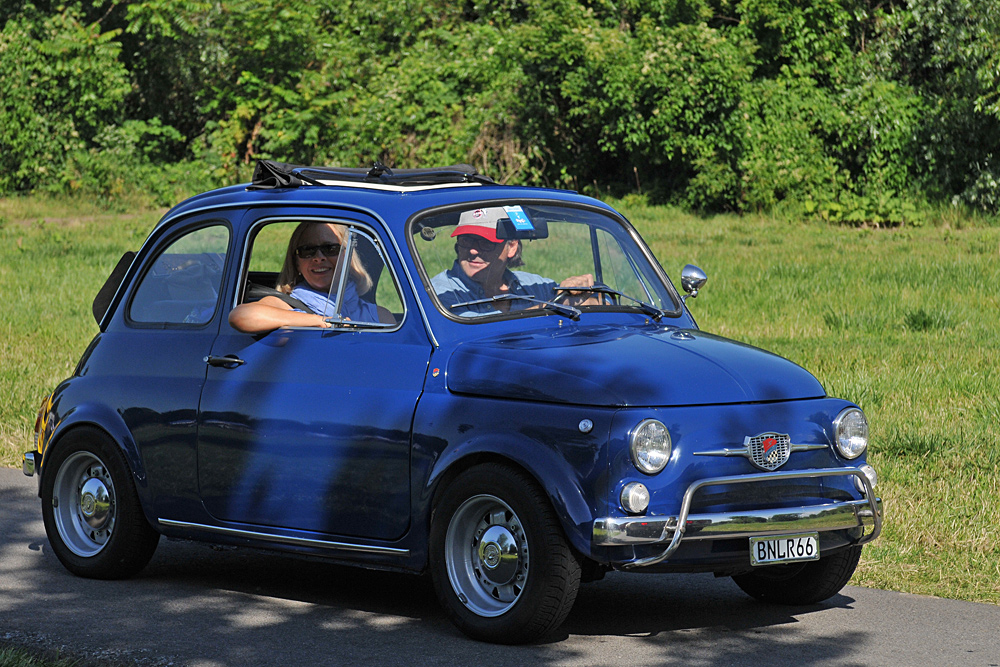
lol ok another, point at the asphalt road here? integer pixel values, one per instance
(203, 607)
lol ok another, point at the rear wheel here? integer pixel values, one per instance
(500, 563)
(801, 583)
(91, 510)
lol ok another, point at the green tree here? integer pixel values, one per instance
(63, 84)
(948, 52)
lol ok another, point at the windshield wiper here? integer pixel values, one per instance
(566, 311)
(647, 308)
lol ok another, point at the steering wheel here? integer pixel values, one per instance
(566, 296)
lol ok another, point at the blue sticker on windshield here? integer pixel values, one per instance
(519, 218)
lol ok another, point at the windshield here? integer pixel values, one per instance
(519, 259)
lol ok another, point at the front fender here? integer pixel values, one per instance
(544, 440)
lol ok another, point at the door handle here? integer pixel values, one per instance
(228, 361)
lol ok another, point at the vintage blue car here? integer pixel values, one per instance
(424, 371)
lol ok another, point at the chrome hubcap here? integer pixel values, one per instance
(499, 556)
(83, 504)
(95, 503)
(486, 553)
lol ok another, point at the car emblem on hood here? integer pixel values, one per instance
(768, 451)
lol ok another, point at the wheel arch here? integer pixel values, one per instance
(551, 473)
(109, 422)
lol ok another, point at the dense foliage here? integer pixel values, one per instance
(855, 110)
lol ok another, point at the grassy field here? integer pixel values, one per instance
(904, 322)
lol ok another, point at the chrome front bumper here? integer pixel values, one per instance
(636, 530)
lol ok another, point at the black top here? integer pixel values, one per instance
(269, 174)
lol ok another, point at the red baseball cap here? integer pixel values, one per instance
(481, 222)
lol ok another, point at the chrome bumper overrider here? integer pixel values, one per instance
(634, 530)
(28, 463)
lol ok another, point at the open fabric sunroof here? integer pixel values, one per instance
(269, 174)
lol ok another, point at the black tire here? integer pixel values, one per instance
(91, 509)
(801, 583)
(500, 563)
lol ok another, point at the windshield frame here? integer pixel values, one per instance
(411, 231)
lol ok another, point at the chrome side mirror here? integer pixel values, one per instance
(692, 280)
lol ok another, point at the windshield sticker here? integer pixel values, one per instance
(519, 218)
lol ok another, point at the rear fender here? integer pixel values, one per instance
(103, 417)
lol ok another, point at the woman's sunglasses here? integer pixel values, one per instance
(309, 251)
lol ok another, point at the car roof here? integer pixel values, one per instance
(393, 204)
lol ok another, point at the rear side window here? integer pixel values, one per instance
(182, 286)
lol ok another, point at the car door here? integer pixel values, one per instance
(308, 428)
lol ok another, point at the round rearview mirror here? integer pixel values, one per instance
(692, 279)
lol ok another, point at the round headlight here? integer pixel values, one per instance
(635, 498)
(650, 444)
(851, 433)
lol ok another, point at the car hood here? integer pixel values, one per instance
(647, 365)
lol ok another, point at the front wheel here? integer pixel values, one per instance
(801, 583)
(91, 510)
(501, 566)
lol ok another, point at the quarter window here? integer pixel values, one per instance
(182, 285)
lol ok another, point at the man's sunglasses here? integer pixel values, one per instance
(309, 251)
(480, 244)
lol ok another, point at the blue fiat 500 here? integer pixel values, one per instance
(421, 370)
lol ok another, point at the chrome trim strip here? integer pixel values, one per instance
(679, 524)
(285, 539)
(742, 451)
(807, 448)
(28, 463)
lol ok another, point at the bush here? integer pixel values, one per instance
(119, 171)
(62, 84)
(856, 112)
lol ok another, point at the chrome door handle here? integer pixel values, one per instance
(228, 361)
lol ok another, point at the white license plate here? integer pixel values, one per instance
(784, 549)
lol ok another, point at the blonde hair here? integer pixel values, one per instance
(289, 276)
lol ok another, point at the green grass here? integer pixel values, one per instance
(15, 657)
(53, 258)
(907, 324)
(904, 322)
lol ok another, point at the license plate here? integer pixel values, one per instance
(784, 549)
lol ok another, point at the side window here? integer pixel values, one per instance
(303, 263)
(616, 270)
(384, 291)
(183, 284)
